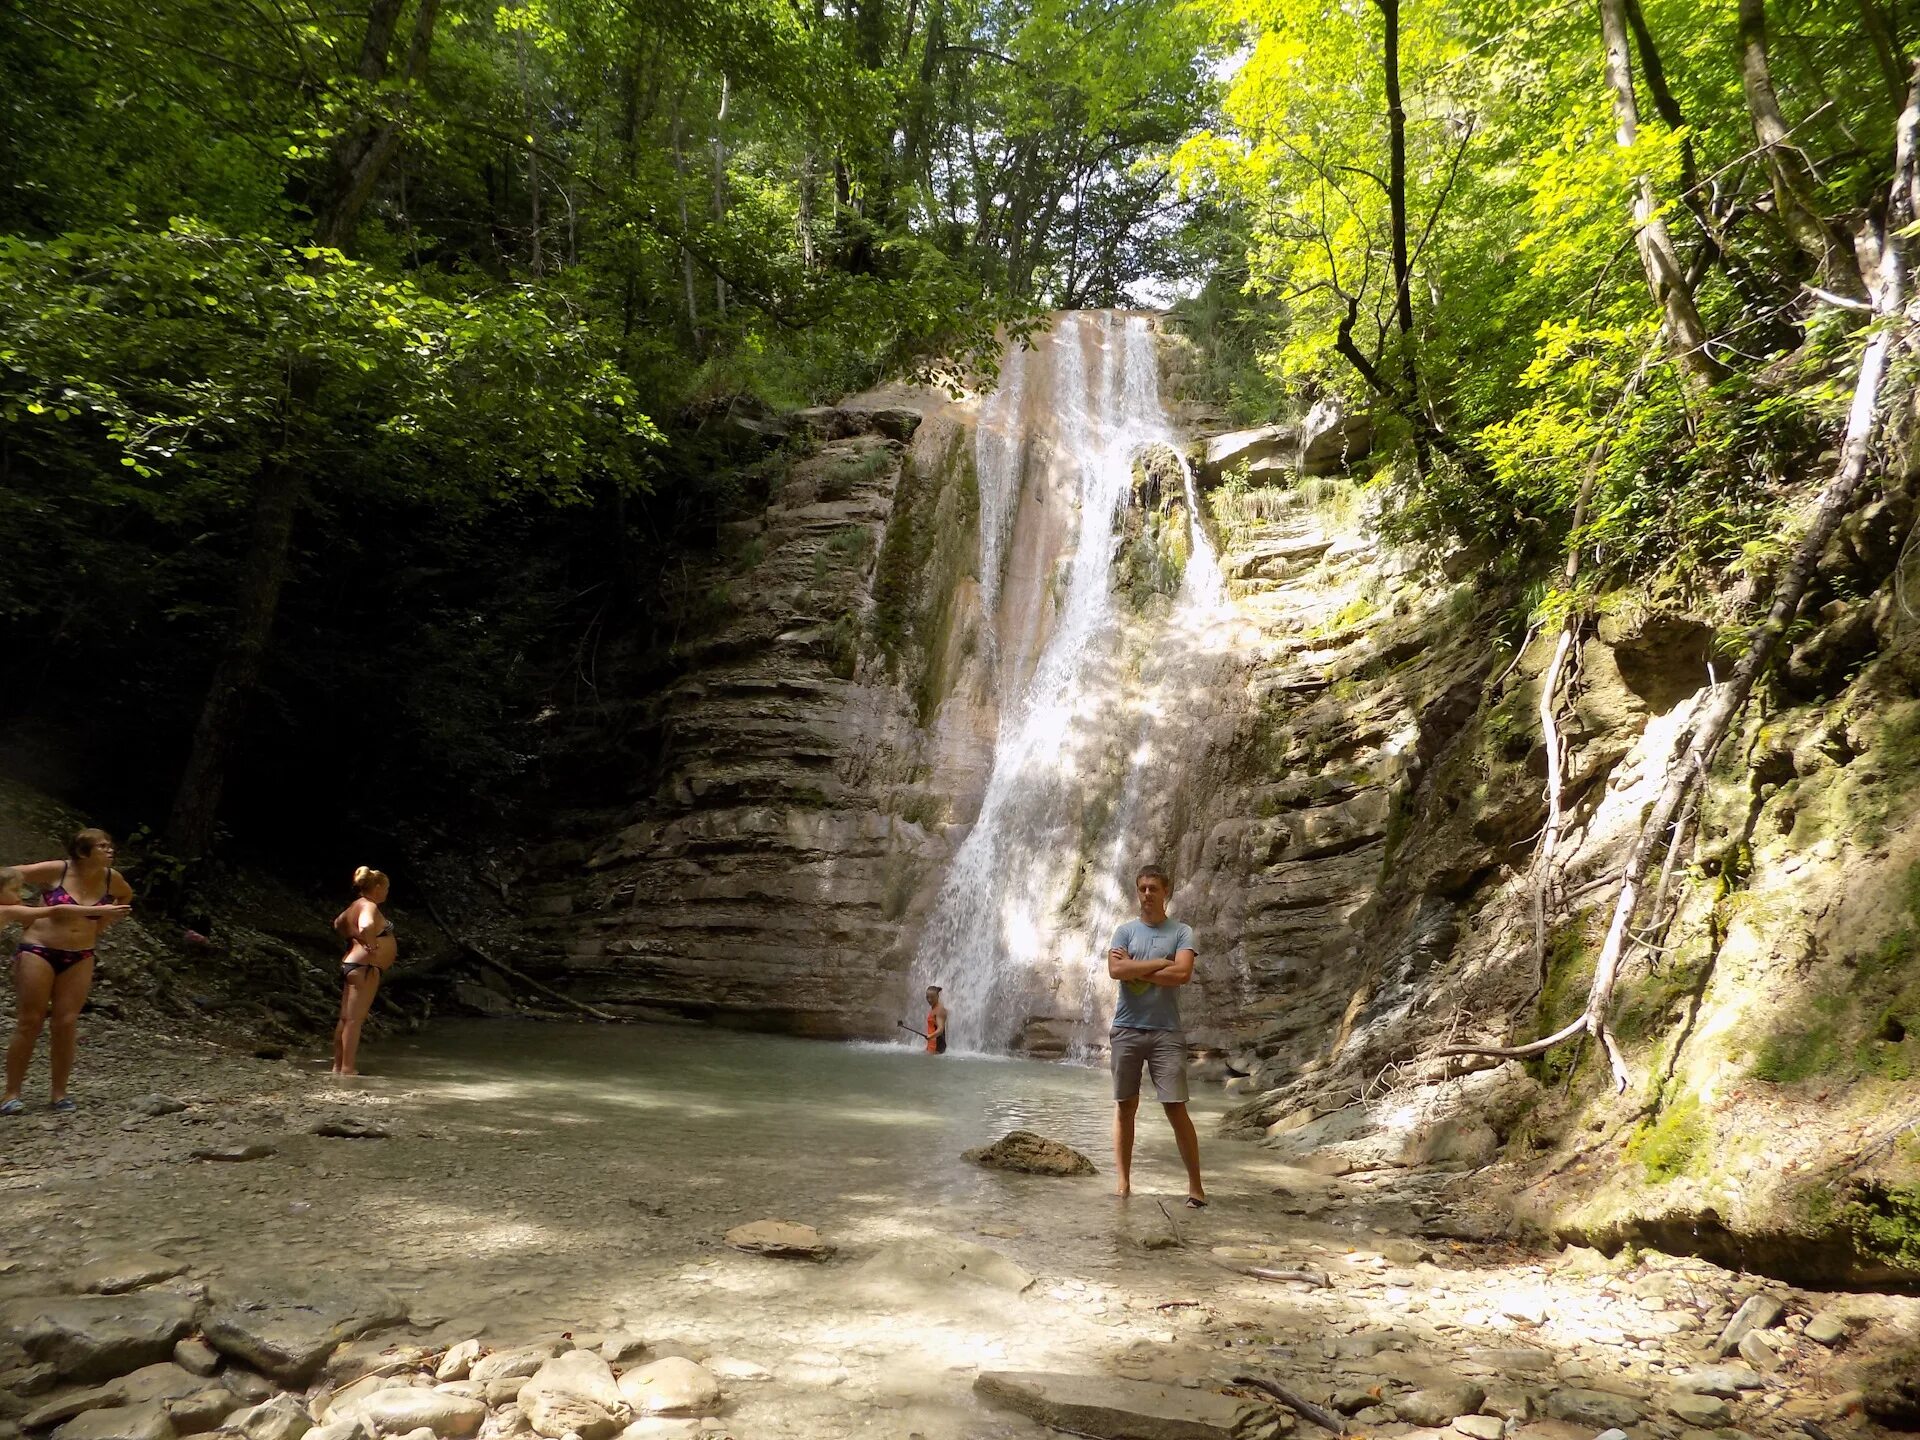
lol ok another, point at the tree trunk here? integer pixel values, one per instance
(686, 255)
(1666, 278)
(1886, 47)
(355, 165)
(196, 804)
(720, 187)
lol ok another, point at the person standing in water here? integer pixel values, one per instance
(936, 1022)
(372, 951)
(1152, 957)
(80, 897)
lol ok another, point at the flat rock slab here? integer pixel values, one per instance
(350, 1127)
(234, 1154)
(98, 1337)
(939, 1261)
(123, 1422)
(779, 1237)
(286, 1327)
(1129, 1409)
(1031, 1154)
(129, 1270)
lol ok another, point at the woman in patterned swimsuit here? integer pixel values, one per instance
(53, 968)
(370, 934)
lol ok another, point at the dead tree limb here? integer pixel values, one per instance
(501, 967)
(1726, 699)
(1295, 1402)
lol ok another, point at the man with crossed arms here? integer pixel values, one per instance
(1152, 957)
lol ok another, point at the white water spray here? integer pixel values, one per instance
(1078, 727)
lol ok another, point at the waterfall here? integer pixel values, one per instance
(1080, 727)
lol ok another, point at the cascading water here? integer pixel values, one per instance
(1079, 727)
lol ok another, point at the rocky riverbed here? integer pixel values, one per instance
(219, 1242)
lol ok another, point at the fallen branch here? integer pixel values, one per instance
(512, 974)
(1316, 1278)
(1295, 1402)
(1727, 699)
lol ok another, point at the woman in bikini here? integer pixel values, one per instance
(370, 935)
(53, 968)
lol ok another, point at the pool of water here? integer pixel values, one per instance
(800, 1104)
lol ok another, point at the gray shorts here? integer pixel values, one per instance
(1163, 1053)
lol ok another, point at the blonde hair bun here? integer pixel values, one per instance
(366, 878)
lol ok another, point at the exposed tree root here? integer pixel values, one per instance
(1295, 1402)
(1725, 700)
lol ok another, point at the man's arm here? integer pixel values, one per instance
(1177, 971)
(1122, 966)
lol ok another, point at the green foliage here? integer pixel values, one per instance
(1671, 1143)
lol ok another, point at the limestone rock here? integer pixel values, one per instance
(1758, 1351)
(196, 1356)
(622, 1348)
(941, 1260)
(281, 1418)
(30, 1380)
(458, 1360)
(130, 1270)
(236, 1153)
(1724, 1380)
(505, 1422)
(577, 1374)
(671, 1386)
(201, 1411)
(1756, 1312)
(1129, 1409)
(285, 1326)
(159, 1382)
(1480, 1427)
(895, 423)
(1826, 1328)
(505, 1391)
(554, 1414)
(1598, 1408)
(1707, 1411)
(779, 1237)
(517, 1363)
(122, 1422)
(1030, 1154)
(1440, 1404)
(341, 1401)
(99, 1337)
(1264, 443)
(340, 1430)
(397, 1411)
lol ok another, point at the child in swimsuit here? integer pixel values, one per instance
(38, 968)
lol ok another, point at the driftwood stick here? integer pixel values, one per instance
(1264, 1272)
(514, 975)
(1295, 1402)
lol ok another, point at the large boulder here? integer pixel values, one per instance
(1031, 1154)
(573, 1394)
(97, 1337)
(1129, 1409)
(1249, 448)
(403, 1409)
(286, 1327)
(674, 1385)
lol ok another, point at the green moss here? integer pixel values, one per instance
(1669, 1144)
(1570, 962)
(841, 476)
(931, 545)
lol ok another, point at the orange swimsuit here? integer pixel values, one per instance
(936, 1039)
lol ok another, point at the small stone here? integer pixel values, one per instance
(1480, 1427)
(235, 1154)
(504, 1423)
(458, 1361)
(1353, 1401)
(202, 1411)
(423, 1433)
(1756, 1312)
(281, 1418)
(573, 1394)
(1439, 1404)
(1757, 1352)
(1031, 1154)
(622, 1348)
(784, 1238)
(157, 1105)
(671, 1386)
(340, 1430)
(468, 1389)
(1826, 1328)
(516, 1363)
(196, 1356)
(350, 1127)
(1594, 1407)
(30, 1380)
(1707, 1411)
(387, 1412)
(1612, 1435)
(114, 1274)
(505, 1391)
(1723, 1380)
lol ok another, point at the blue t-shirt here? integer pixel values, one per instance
(1144, 1005)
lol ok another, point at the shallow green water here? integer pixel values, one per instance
(801, 1103)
